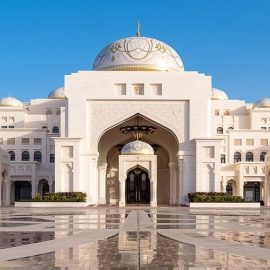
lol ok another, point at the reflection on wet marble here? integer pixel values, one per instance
(7, 224)
(138, 238)
(25, 219)
(245, 238)
(157, 252)
(14, 239)
(175, 226)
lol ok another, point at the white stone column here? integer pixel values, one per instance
(241, 188)
(1, 192)
(33, 180)
(34, 186)
(153, 192)
(50, 183)
(7, 193)
(102, 169)
(263, 186)
(266, 193)
(173, 186)
(122, 192)
(93, 179)
(50, 186)
(180, 163)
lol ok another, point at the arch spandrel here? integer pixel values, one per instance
(105, 116)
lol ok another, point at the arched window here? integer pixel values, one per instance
(58, 112)
(55, 129)
(237, 157)
(219, 130)
(262, 156)
(25, 156)
(49, 112)
(230, 128)
(37, 156)
(249, 156)
(222, 158)
(12, 155)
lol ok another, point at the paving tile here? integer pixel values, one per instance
(200, 239)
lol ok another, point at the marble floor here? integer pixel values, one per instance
(135, 237)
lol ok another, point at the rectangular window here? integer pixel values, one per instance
(37, 141)
(264, 142)
(249, 142)
(11, 126)
(1, 141)
(216, 112)
(3, 126)
(138, 89)
(156, 89)
(263, 128)
(52, 158)
(10, 141)
(25, 141)
(237, 141)
(120, 89)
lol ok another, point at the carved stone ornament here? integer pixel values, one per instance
(170, 115)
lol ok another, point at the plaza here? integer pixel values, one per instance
(135, 237)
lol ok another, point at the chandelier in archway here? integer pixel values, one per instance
(137, 130)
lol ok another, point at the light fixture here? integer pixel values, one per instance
(137, 130)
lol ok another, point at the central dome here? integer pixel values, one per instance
(139, 54)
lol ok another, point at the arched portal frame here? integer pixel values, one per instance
(163, 136)
(147, 163)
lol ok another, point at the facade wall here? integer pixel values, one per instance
(194, 154)
(29, 129)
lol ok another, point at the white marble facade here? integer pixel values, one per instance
(71, 141)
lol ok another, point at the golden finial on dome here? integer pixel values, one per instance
(138, 33)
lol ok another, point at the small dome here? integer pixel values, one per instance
(137, 148)
(139, 54)
(58, 93)
(262, 103)
(218, 94)
(10, 101)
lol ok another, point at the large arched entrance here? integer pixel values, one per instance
(137, 186)
(166, 147)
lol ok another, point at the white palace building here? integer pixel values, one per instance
(137, 128)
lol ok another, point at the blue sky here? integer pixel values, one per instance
(43, 40)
